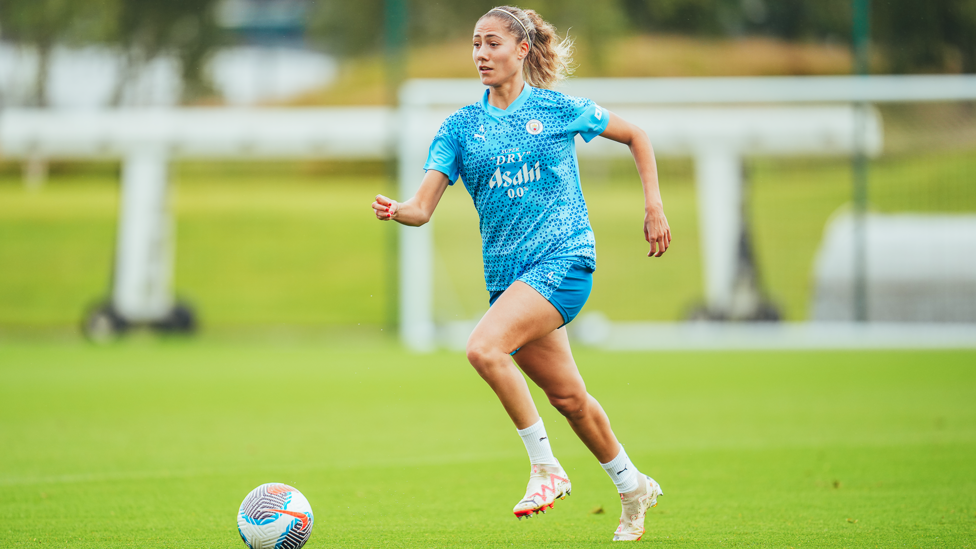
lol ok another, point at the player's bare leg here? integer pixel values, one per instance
(518, 316)
(548, 361)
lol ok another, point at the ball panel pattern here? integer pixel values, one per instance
(257, 506)
(295, 536)
(275, 516)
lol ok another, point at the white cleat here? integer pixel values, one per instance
(635, 505)
(547, 483)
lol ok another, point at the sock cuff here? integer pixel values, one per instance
(622, 472)
(536, 442)
(532, 429)
(620, 460)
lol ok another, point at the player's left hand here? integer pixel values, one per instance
(385, 208)
(656, 231)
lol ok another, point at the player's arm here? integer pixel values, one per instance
(416, 211)
(656, 229)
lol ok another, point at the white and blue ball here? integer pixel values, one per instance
(275, 516)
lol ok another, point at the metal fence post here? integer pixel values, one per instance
(862, 33)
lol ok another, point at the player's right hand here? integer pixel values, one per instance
(385, 208)
(656, 230)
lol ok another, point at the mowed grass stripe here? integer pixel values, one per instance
(154, 444)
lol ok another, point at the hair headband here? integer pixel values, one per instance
(528, 36)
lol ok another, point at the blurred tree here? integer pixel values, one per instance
(800, 19)
(42, 24)
(347, 29)
(141, 29)
(146, 29)
(356, 28)
(684, 16)
(592, 24)
(783, 18)
(936, 35)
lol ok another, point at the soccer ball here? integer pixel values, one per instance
(275, 516)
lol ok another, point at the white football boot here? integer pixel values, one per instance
(635, 505)
(547, 483)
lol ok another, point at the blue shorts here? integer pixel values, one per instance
(570, 296)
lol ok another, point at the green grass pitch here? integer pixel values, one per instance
(154, 443)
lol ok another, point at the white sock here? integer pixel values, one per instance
(622, 472)
(537, 444)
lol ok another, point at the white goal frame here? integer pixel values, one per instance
(716, 121)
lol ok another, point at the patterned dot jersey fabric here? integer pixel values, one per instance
(519, 166)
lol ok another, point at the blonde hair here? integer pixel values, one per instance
(550, 58)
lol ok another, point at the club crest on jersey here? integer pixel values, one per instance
(534, 127)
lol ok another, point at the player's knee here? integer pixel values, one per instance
(569, 405)
(483, 357)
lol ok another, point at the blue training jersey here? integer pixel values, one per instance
(519, 165)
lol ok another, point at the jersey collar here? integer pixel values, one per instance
(519, 101)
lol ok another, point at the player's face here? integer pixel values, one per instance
(497, 53)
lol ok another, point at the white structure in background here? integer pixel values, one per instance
(86, 78)
(716, 136)
(146, 141)
(249, 75)
(719, 139)
(920, 268)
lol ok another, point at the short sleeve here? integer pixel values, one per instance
(591, 121)
(445, 154)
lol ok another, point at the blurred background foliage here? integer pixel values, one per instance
(142, 30)
(811, 36)
(145, 30)
(932, 36)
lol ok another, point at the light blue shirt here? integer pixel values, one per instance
(520, 167)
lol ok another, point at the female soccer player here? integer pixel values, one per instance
(515, 152)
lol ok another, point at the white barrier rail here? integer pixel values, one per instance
(147, 139)
(724, 90)
(732, 117)
(347, 132)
